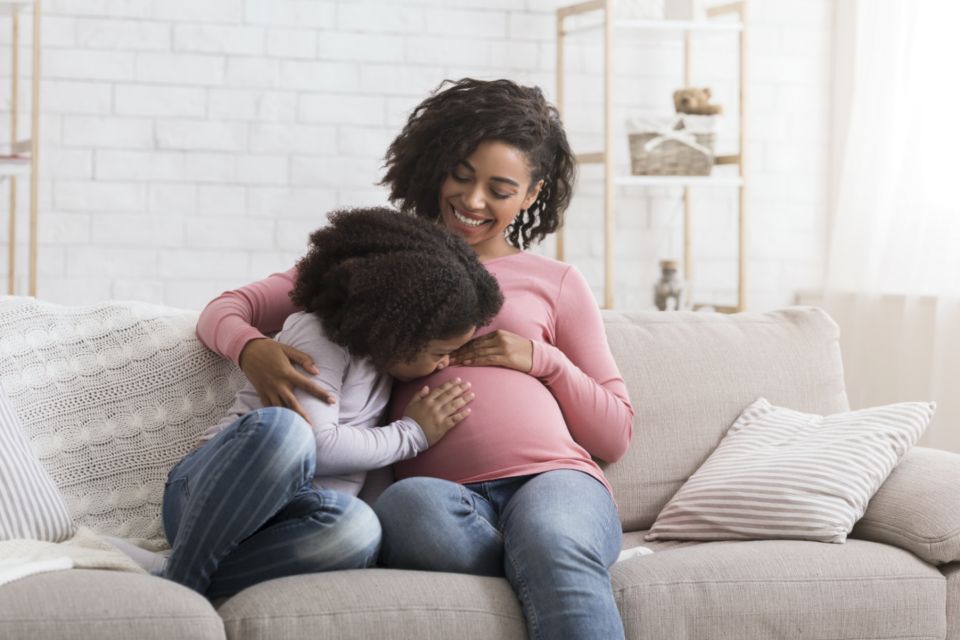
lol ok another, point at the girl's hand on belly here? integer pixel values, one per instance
(496, 349)
(441, 409)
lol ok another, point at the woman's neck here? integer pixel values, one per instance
(486, 255)
(498, 250)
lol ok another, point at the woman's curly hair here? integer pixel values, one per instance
(385, 284)
(449, 125)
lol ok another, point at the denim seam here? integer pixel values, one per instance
(529, 610)
(467, 500)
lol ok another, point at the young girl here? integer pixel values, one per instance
(266, 494)
(514, 490)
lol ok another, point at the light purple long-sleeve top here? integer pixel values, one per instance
(349, 440)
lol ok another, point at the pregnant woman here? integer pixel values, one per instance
(514, 489)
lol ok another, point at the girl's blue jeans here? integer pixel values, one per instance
(241, 509)
(552, 535)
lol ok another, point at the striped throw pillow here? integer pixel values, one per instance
(30, 504)
(780, 473)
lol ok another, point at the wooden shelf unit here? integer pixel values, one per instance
(20, 159)
(610, 26)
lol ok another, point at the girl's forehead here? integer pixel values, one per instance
(453, 342)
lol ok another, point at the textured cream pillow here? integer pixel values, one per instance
(111, 396)
(780, 473)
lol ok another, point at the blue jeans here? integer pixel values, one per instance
(552, 535)
(241, 509)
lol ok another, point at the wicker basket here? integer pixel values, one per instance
(652, 153)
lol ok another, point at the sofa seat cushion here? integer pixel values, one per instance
(105, 605)
(778, 589)
(375, 603)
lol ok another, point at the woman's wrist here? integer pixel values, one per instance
(246, 349)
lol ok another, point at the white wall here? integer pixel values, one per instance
(189, 147)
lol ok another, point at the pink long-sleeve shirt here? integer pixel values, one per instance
(572, 405)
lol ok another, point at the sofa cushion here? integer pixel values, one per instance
(757, 590)
(916, 508)
(111, 396)
(30, 503)
(690, 374)
(375, 603)
(780, 473)
(739, 590)
(105, 605)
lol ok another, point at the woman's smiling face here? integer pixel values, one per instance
(483, 194)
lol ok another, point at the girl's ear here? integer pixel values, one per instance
(532, 196)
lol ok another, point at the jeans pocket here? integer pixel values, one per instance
(177, 486)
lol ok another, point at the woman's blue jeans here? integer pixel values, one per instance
(241, 509)
(552, 535)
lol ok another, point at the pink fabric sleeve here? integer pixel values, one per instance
(582, 374)
(236, 317)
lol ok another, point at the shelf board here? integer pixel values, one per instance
(660, 25)
(19, 166)
(20, 149)
(678, 25)
(679, 181)
(14, 6)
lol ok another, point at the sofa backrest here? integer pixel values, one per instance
(690, 374)
(111, 396)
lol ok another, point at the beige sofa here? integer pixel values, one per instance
(689, 375)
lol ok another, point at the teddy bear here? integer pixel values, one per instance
(696, 101)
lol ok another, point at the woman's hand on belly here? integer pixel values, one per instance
(496, 349)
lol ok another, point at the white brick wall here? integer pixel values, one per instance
(188, 147)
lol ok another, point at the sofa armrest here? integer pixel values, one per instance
(917, 507)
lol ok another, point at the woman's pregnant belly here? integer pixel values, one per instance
(514, 426)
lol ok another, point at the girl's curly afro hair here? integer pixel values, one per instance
(385, 284)
(449, 125)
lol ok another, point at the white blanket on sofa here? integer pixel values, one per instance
(85, 550)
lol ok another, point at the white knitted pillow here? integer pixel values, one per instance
(111, 396)
(780, 473)
(30, 505)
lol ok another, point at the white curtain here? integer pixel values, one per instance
(893, 272)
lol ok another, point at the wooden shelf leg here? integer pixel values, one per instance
(609, 165)
(12, 225)
(35, 147)
(687, 242)
(742, 200)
